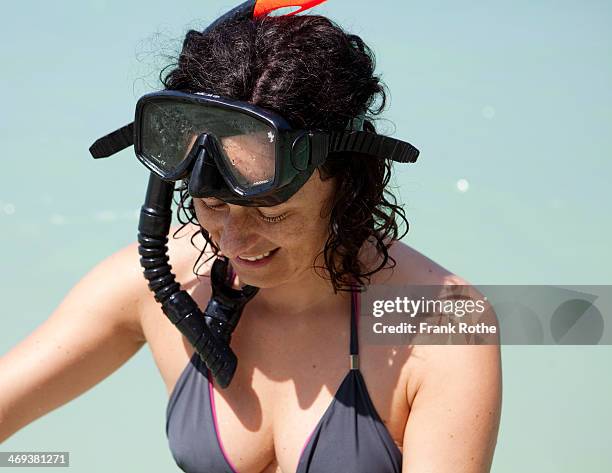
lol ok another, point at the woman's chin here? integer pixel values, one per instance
(262, 279)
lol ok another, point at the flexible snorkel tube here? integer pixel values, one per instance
(208, 332)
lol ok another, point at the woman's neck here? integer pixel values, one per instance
(299, 296)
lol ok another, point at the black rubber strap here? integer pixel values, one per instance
(114, 142)
(373, 144)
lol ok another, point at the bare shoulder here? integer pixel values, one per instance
(414, 268)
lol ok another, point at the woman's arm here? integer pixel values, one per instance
(95, 330)
(454, 420)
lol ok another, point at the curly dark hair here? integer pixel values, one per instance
(307, 69)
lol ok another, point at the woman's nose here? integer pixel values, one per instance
(236, 233)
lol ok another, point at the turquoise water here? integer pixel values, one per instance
(509, 102)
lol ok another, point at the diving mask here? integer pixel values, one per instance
(235, 151)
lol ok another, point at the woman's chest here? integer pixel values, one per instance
(283, 397)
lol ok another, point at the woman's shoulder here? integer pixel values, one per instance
(413, 267)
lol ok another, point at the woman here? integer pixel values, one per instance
(299, 400)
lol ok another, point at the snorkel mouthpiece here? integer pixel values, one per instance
(225, 307)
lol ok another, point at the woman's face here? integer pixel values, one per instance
(291, 234)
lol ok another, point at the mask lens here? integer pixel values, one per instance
(165, 134)
(250, 157)
(247, 146)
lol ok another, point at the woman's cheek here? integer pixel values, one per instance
(307, 232)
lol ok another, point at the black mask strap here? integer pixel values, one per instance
(114, 142)
(366, 142)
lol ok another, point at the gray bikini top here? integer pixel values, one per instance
(350, 437)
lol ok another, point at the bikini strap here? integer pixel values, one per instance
(354, 343)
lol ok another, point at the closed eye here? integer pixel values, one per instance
(219, 205)
(274, 219)
(216, 205)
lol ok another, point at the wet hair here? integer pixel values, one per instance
(315, 75)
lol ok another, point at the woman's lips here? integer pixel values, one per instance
(255, 264)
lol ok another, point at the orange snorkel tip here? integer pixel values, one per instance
(265, 7)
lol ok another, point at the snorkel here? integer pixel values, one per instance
(209, 332)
